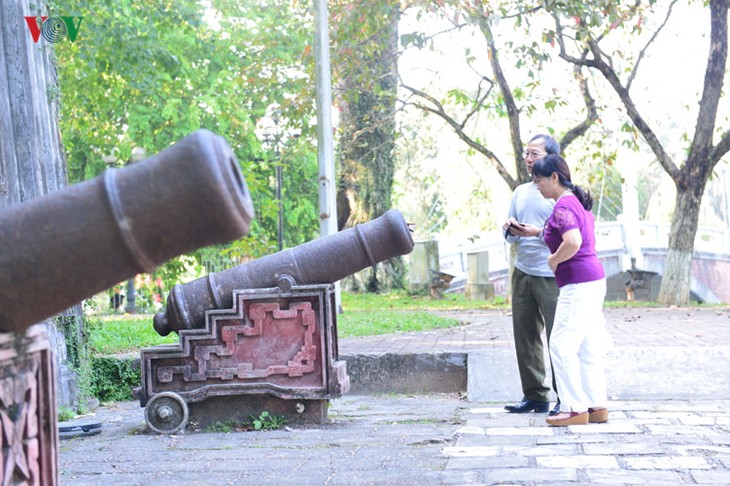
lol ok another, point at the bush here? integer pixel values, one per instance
(112, 379)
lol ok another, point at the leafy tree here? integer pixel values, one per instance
(365, 45)
(586, 38)
(498, 95)
(596, 38)
(142, 75)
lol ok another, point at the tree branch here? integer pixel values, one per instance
(438, 109)
(640, 57)
(592, 113)
(712, 90)
(599, 62)
(480, 99)
(513, 113)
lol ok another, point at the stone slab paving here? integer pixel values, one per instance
(423, 440)
(378, 440)
(690, 446)
(416, 440)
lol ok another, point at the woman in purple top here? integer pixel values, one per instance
(579, 339)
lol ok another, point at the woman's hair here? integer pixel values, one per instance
(553, 163)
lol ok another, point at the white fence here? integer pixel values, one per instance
(610, 240)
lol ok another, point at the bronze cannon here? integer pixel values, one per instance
(321, 261)
(261, 336)
(59, 249)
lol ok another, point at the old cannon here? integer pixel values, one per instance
(59, 249)
(64, 247)
(325, 260)
(261, 336)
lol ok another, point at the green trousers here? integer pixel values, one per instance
(533, 309)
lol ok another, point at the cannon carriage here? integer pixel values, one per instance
(277, 345)
(262, 336)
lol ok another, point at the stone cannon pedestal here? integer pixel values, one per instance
(28, 436)
(275, 351)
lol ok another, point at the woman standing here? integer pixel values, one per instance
(579, 339)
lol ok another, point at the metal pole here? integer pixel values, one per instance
(279, 181)
(325, 144)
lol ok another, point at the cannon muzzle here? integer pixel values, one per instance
(321, 261)
(61, 248)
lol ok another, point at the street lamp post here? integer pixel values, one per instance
(279, 182)
(267, 130)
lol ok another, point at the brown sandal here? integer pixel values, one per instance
(568, 418)
(598, 415)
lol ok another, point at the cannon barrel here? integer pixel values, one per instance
(61, 248)
(321, 261)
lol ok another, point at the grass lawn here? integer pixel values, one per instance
(372, 314)
(363, 315)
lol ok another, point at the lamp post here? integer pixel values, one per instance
(267, 130)
(279, 181)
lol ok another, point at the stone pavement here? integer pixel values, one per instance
(628, 326)
(691, 343)
(384, 439)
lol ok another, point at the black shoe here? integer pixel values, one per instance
(556, 409)
(527, 405)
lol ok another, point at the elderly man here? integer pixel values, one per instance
(534, 293)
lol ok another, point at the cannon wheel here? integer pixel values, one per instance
(166, 413)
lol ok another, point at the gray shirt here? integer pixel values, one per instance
(528, 206)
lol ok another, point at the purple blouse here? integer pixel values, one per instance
(584, 266)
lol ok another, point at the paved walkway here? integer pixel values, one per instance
(629, 327)
(442, 439)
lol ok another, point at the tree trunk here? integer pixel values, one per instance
(675, 287)
(31, 165)
(32, 161)
(366, 155)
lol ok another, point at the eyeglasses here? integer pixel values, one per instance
(535, 155)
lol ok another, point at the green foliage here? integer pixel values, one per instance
(370, 322)
(144, 75)
(77, 357)
(403, 301)
(74, 337)
(605, 185)
(266, 421)
(364, 314)
(222, 427)
(112, 379)
(65, 414)
(364, 57)
(418, 191)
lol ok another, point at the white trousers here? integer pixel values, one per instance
(578, 346)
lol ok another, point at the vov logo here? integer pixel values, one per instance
(53, 29)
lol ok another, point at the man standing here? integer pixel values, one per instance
(534, 293)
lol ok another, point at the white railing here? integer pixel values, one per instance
(610, 239)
